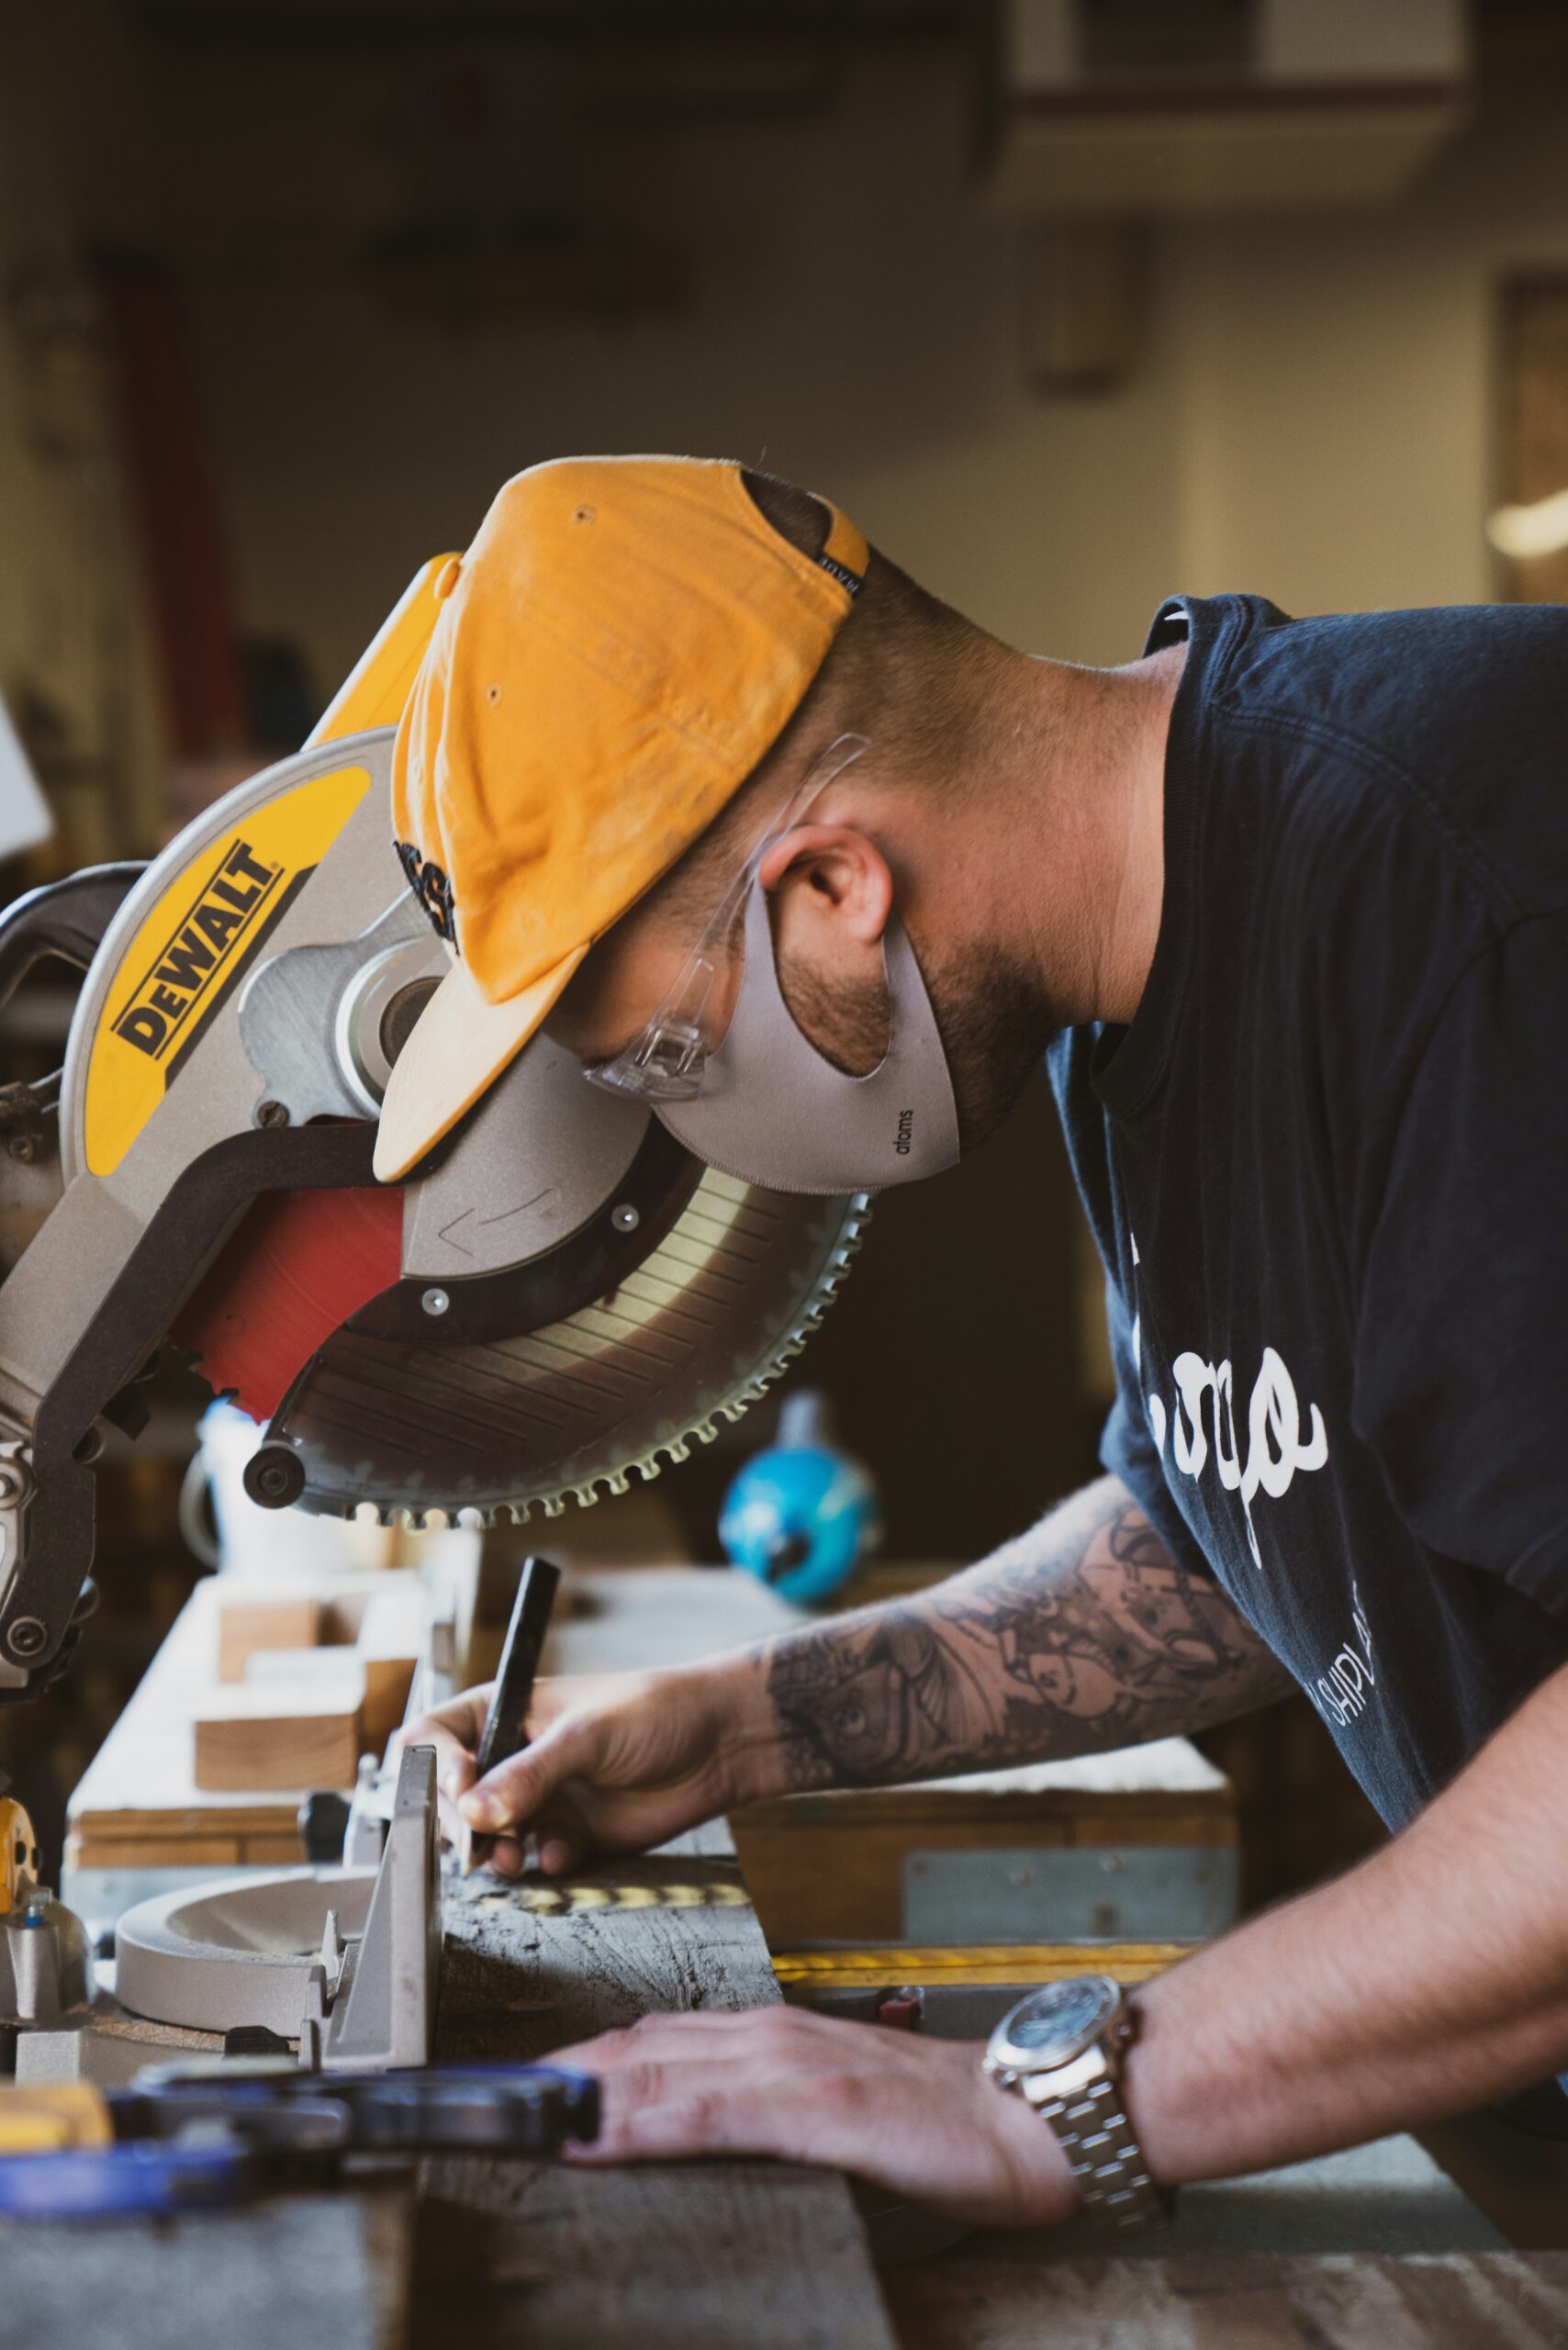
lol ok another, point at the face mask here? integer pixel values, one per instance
(773, 1112)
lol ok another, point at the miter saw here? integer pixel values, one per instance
(558, 1297)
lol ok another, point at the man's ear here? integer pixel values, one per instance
(834, 873)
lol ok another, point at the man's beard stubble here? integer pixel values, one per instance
(994, 1023)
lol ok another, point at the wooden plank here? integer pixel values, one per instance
(612, 1620)
(330, 1668)
(273, 1851)
(152, 1852)
(269, 1736)
(615, 1618)
(692, 2255)
(327, 2267)
(767, 2255)
(292, 1620)
(1447, 2300)
(831, 1866)
(696, 2256)
(1518, 2177)
(842, 1879)
(204, 1815)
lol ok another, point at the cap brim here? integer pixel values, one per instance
(460, 1045)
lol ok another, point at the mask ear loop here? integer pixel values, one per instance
(665, 1061)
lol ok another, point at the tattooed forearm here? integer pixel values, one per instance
(1082, 1634)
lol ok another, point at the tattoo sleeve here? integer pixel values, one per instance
(1082, 1634)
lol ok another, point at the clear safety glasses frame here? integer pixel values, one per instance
(665, 1061)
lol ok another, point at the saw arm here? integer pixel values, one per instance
(560, 1298)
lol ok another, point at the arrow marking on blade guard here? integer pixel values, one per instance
(449, 1231)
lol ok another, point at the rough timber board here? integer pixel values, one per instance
(1450, 2300)
(764, 2256)
(291, 2270)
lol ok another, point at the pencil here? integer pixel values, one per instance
(506, 1721)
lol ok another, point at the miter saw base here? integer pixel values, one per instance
(344, 1962)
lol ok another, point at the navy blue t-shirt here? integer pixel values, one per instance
(1327, 1163)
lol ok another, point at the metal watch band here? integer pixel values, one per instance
(1103, 2155)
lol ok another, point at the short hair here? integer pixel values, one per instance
(905, 670)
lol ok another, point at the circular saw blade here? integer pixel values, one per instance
(695, 1332)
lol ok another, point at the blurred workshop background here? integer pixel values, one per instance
(1069, 303)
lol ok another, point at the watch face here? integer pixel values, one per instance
(1054, 2025)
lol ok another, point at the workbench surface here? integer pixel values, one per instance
(1374, 2248)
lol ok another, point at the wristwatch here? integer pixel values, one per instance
(1061, 2048)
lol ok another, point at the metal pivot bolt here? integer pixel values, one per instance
(28, 1635)
(274, 1476)
(625, 1218)
(272, 1113)
(435, 1301)
(16, 1483)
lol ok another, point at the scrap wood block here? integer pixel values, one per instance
(265, 1735)
(248, 1622)
(391, 1633)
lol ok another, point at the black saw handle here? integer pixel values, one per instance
(65, 918)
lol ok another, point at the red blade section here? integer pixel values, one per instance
(299, 1266)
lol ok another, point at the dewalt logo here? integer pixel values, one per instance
(194, 944)
(200, 954)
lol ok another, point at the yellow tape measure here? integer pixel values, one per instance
(1023, 1963)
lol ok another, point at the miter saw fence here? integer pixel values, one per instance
(324, 1984)
(559, 1297)
(341, 1963)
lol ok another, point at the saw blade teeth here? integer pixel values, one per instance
(675, 1446)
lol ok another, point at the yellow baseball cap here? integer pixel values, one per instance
(618, 649)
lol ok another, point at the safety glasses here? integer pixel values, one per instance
(666, 1061)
